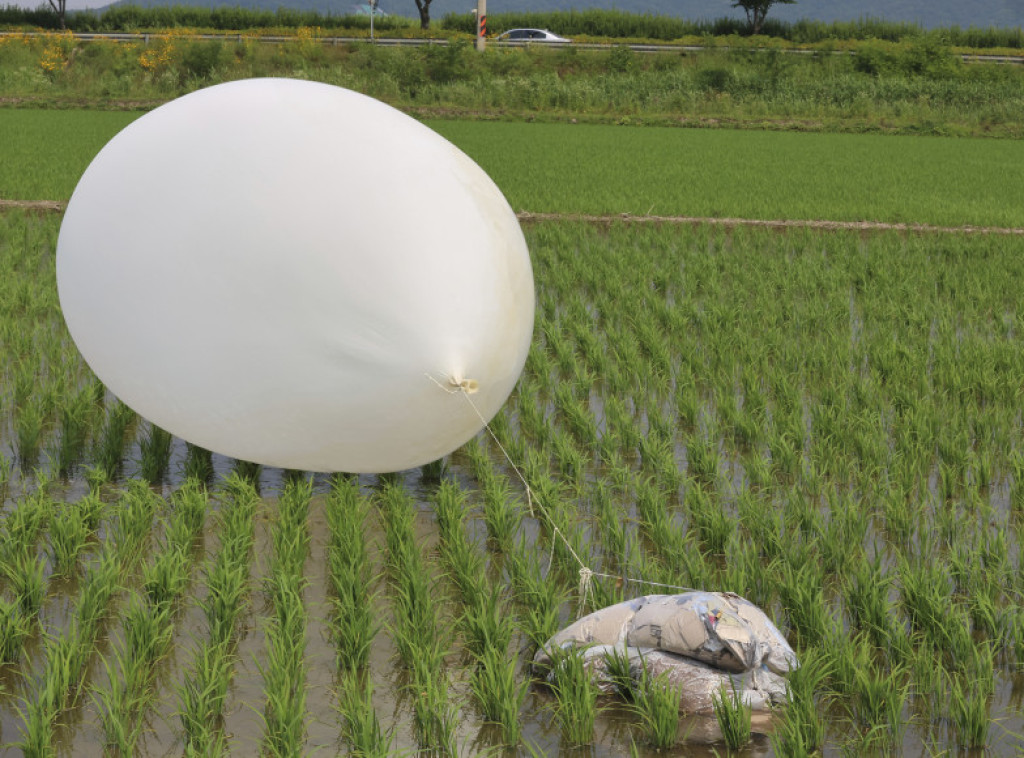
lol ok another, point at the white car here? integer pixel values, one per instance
(530, 35)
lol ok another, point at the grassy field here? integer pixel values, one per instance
(825, 423)
(567, 168)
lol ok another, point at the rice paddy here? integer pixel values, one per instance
(827, 423)
(595, 169)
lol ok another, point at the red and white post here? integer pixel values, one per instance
(481, 24)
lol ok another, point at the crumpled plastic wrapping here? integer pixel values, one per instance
(699, 640)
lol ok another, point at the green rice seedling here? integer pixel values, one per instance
(577, 417)
(435, 718)
(450, 509)
(878, 700)
(5, 475)
(108, 454)
(147, 632)
(198, 463)
(68, 534)
(99, 585)
(40, 723)
(155, 452)
(136, 509)
(499, 693)
(969, 711)
(284, 687)
(802, 597)
(416, 632)
(702, 458)
(354, 625)
(575, 706)
(201, 697)
(714, 525)
(687, 403)
(925, 592)
(466, 569)
(733, 717)
(433, 472)
(120, 706)
(26, 574)
(539, 621)
(657, 455)
(226, 583)
(74, 415)
(484, 624)
(656, 702)
(360, 727)
(283, 669)
(572, 463)
(617, 667)
(801, 730)
(92, 509)
(249, 472)
(14, 629)
(28, 429)
(867, 589)
(502, 514)
(190, 503)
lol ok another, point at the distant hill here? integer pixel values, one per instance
(927, 13)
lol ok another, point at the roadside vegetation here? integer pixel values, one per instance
(917, 85)
(593, 23)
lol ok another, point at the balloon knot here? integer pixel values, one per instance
(469, 386)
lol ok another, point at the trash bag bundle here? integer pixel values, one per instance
(701, 641)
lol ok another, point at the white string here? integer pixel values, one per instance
(586, 573)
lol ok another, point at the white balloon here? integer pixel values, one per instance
(297, 275)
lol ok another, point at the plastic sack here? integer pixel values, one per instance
(721, 629)
(297, 275)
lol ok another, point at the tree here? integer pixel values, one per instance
(60, 8)
(756, 10)
(423, 6)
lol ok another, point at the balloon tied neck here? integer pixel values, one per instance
(469, 386)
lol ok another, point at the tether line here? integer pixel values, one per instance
(586, 573)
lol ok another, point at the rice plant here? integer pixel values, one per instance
(656, 702)
(354, 624)
(575, 706)
(969, 711)
(800, 731)
(733, 717)
(360, 727)
(68, 534)
(201, 695)
(155, 452)
(14, 629)
(26, 575)
(113, 439)
(198, 463)
(499, 692)
(284, 668)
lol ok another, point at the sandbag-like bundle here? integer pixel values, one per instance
(721, 629)
(298, 275)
